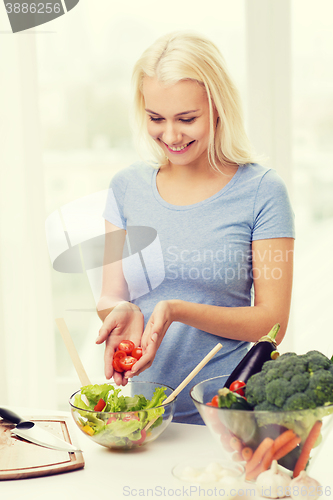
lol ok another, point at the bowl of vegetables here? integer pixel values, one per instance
(122, 417)
(282, 412)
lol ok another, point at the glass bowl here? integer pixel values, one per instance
(125, 429)
(240, 432)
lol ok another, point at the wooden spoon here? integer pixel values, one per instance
(188, 379)
(66, 336)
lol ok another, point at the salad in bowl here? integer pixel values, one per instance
(122, 417)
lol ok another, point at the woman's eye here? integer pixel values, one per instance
(153, 119)
(188, 120)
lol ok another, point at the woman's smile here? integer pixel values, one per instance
(179, 149)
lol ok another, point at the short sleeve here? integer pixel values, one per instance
(273, 216)
(114, 207)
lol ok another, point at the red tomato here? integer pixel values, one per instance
(127, 362)
(116, 365)
(215, 401)
(238, 386)
(126, 346)
(129, 416)
(119, 355)
(142, 438)
(112, 419)
(137, 352)
(100, 405)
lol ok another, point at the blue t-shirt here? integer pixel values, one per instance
(199, 253)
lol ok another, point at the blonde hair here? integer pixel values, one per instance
(190, 56)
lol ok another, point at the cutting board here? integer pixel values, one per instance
(20, 459)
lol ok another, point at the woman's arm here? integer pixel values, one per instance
(114, 287)
(272, 262)
(121, 319)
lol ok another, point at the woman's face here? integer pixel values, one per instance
(178, 120)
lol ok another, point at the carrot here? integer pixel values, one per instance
(285, 449)
(283, 438)
(235, 443)
(307, 447)
(247, 453)
(265, 445)
(264, 464)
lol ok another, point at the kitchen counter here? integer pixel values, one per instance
(141, 473)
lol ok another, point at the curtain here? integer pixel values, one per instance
(27, 351)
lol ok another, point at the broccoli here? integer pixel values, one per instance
(292, 382)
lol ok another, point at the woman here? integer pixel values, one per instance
(224, 224)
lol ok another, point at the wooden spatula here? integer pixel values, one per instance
(188, 379)
(66, 336)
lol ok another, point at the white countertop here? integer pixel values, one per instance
(141, 473)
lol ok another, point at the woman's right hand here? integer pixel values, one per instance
(125, 321)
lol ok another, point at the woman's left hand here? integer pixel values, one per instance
(156, 328)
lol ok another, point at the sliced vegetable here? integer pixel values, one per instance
(127, 362)
(307, 447)
(138, 442)
(126, 356)
(127, 346)
(88, 430)
(116, 365)
(100, 405)
(129, 414)
(232, 400)
(119, 355)
(255, 358)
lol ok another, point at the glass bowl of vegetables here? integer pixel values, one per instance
(122, 417)
(255, 438)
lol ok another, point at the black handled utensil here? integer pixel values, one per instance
(34, 433)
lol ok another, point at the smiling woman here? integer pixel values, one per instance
(203, 191)
(176, 64)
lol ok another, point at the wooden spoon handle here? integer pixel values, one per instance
(66, 336)
(192, 374)
(189, 377)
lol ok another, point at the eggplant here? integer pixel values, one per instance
(262, 351)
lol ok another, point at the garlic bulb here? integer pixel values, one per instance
(304, 487)
(273, 483)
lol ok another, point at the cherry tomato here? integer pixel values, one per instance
(238, 386)
(127, 362)
(126, 346)
(100, 405)
(129, 416)
(119, 355)
(137, 352)
(142, 438)
(112, 419)
(116, 365)
(215, 401)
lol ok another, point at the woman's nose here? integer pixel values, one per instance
(171, 134)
